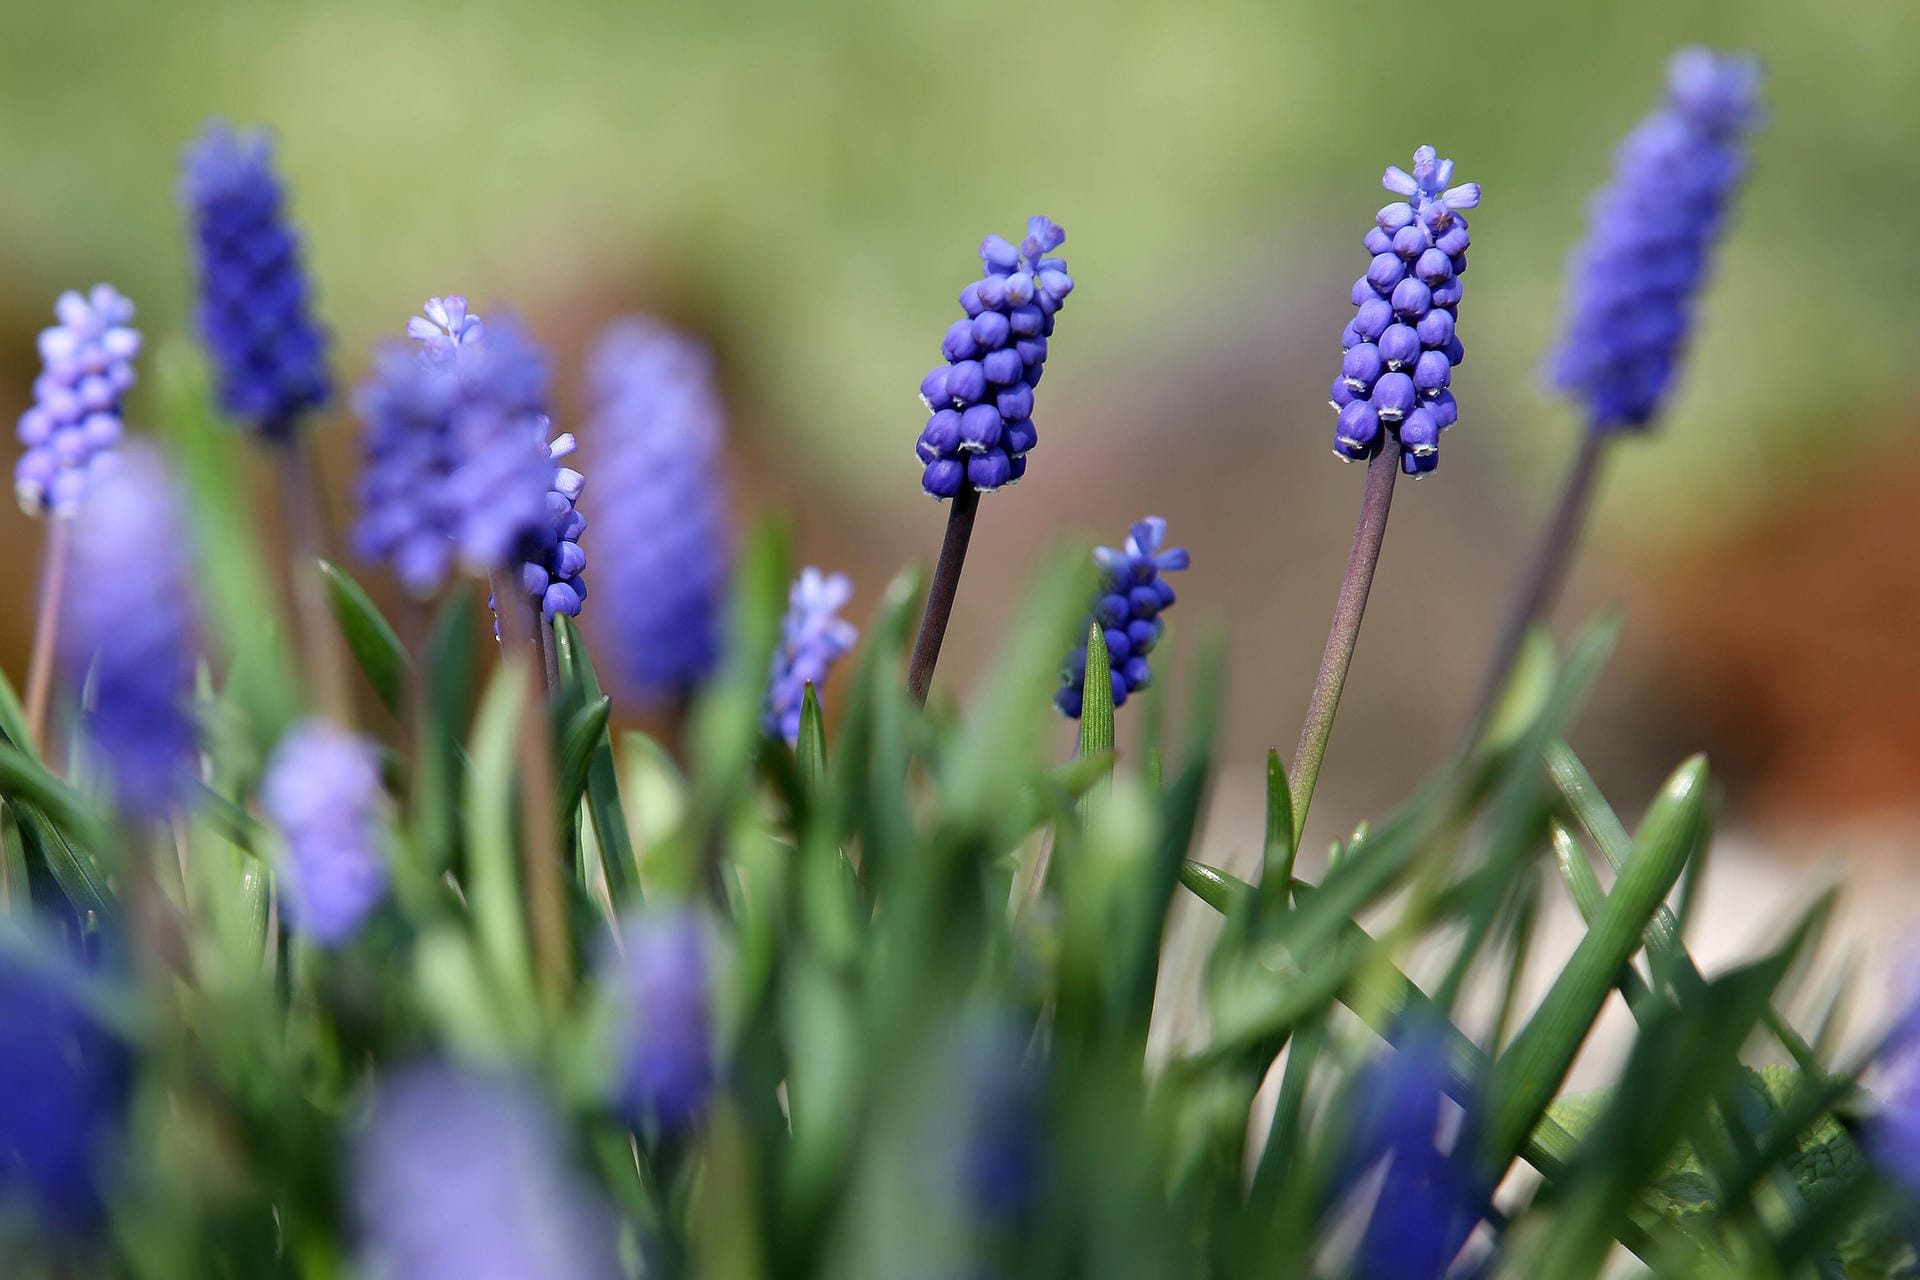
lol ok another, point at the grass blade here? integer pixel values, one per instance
(370, 638)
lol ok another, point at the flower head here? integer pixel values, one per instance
(813, 637)
(1003, 1152)
(75, 422)
(1894, 1138)
(127, 630)
(1432, 1196)
(1132, 595)
(457, 465)
(463, 1176)
(63, 1091)
(981, 399)
(322, 789)
(1651, 233)
(657, 425)
(254, 310)
(1399, 350)
(661, 989)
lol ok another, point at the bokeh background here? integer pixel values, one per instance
(804, 184)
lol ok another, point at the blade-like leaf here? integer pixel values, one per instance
(580, 737)
(1096, 710)
(810, 753)
(1530, 1071)
(13, 719)
(371, 639)
(1276, 859)
(604, 810)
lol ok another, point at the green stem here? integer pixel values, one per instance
(946, 583)
(300, 506)
(1540, 588)
(1352, 605)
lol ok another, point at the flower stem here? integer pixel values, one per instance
(549, 649)
(946, 581)
(46, 633)
(300, 504)
(1541, 586)
(1374, 504)
(539, 825)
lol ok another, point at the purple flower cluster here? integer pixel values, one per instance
(127, 630)
(1132, 596)
(813, 636)
(322, 790)
(981, 399)
(456, 458)
(1399, 350)
(254, 311)
(1893, 1140)
(1002, 1154)
(63, 1090)
(661, 990)
(74, 424)
(552, 576)
(1431, 1197)
(658, 427)
(463, 1176)
(1650, 235)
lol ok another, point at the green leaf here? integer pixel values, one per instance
(1096, 709)
(810, 753)
(582, 734)
(80, 878)
(1530, 1071)
(1221, 890)
(1277, 854)
(604, 809)
(1588, 899)
(493, 880)
(27, 782)
(13, 719)
(372, 640)
(16, 897)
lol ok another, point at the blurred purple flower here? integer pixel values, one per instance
(1651, 233)
(813, 636)
(1893, 1140)
(126, 630)
(662, 991)
(254, 310)
(456, 457)
(63, 1089)
(322, 790)
(1132, 595)
(663, 546)
(75, 422)
(981, 399)
(1399, 350)
(464, 1176)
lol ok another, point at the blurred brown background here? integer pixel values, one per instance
(804, 184)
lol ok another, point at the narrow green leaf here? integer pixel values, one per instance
(78, 875)
(1219, 889)
(371, 639)
(1588, 899)
(810, 753)
(15, 894)
(13, 719)
(493, 880)
(1530, 1071)
(604, 809)
(27, 782)
(1276, 859)
(580, 737)
(1096, 709)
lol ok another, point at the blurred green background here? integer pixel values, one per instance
(805, 184)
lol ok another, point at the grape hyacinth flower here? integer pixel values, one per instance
(75, 422)
(658, 425)
(552, 576)
(1132, 597)
(1001, 1151)
(464, 1176)
(1893, 1140)
(1431, 1197)
(1399, 350)
(127, 629)
(322, 790)
(661, 990)
(456, 457)
(63, 1090)
(1651, 234)
(813, 636)
(981, 399)
(254, 310)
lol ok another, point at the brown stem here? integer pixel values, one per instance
(46, 634)
(520, 625)
(1375, 502)
(946, 582)
(326, 655)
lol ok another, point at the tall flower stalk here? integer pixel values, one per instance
(255, 317)
(981, 405)
(1631, 297)
(1392, 399)
(71, 435)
